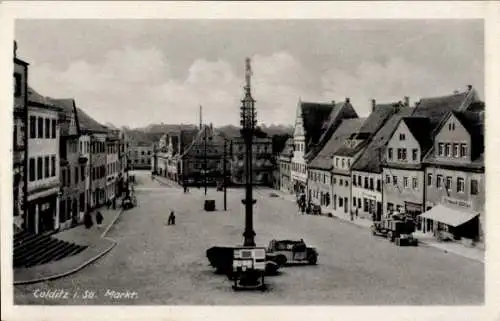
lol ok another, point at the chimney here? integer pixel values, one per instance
(347, 100)
(374, 103)
(15, 49)
(407, 101)
(469, 87)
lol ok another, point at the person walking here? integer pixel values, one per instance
(87, 220)
(171, 218)
(98, 219)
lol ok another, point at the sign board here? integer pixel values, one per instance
(249, 259)
(456, 202)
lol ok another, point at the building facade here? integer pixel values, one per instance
(262, 161)
(20, 140)
(42, 208)
(112, 164)
(140, 154)
(284, 165)
(454, 174)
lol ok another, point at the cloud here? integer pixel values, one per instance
(135, 87)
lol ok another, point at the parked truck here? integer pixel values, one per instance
(398, 228)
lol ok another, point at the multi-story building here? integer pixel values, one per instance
(84, 147)
(20, 140)
(42, 208)
(403, 170)
(262, 161)
(350, 151)
(320, 188)
(112, 164)
(284, 161)
(93, 139)
(203, 161)
(72, 165)
(122, 162)
(140, 154)
(454, 189)
(367, 167)
(314, 125)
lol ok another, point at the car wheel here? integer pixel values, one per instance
(281, 260)
(313, 260)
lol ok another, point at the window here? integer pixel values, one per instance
(365, 205)
(348, 163)
(394, 180)
(341, 203)
(82, 172)
(429, 179)
(76, 175)
(448, 182)
(68, 183)
(456, 150)
(39, 168)
(414, 154)
(336, 162)
(460, 185)
(354, 181)
(341, 182)
(474, 187)
(40, 127)
(379, 187)
(405, 182)
(63, 178)
(402, 136)
(53, 165)
(371, 184)
(47, 128)
(389, 153)
(463, 150)
(387, 179)
(403, 154)
(414, 183)
(32, 169)
(346, 183)
(343, 163)
(366, 182)
(32, 127)
(359, 202)
(439, 181)
(441, 149)
(448, 150)
(354, 201)
(17, 84)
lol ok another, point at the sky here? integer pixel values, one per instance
(137, 72)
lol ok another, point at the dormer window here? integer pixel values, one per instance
(402, 136)
(463, 150)
(441, 149)
(455, 150)
(448, 150)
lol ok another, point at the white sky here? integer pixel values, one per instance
(137, 72)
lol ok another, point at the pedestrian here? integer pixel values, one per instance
(99, 218)
(356, 212)
(87, 220)
(171, 218)
(352, 216)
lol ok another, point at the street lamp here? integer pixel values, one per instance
(248, 123)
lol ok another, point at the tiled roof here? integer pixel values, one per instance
(87, 123)
(323, 160)
(36, 98)
(288, 150)
(420, 127)
(370, 161)
(67, 110)
(436, 108)
(340, 111)
(313, 116)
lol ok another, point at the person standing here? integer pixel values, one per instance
(171, 218)
(99, 218)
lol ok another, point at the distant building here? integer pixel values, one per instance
(262, 161)
(42, 208)
(112, 164)
(140, 154)
(284, 161)
(454, 177)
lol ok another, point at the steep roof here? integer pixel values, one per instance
(420, 127)
(323, 160)
(36, 99)
(89, 124)
(288, 150)
(436, 108)
(369, 161)
(67, 106)
(341, 110)
(313, 117)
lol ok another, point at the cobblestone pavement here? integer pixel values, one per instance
(158, 264)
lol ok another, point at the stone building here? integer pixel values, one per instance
(20, 140)
(140, 154)
(454, 177)
(262, 161)
(42, 208)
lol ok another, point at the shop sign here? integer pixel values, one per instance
(456, 202)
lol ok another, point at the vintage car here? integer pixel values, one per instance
(129, 202)
(291, 252)
(398, 229)
(221, 258)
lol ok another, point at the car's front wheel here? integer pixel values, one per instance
(313, 260)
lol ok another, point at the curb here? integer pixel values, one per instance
(84, 264)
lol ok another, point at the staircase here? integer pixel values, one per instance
(34, 249)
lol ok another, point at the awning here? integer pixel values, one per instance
(449, 216)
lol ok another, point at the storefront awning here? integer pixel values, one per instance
(449, 216)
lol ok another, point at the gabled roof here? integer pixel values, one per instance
(323, 160)
(420, 128)
(313, 117)
(67, 106)
(436, 108)
(288, 150)
(369, 161)
(89, 124)
(340, 111)
(34, 98)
